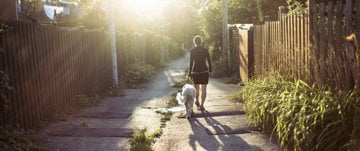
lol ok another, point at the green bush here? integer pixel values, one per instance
(303, 117)
(138, 73)
(140, 141)
(13, 138)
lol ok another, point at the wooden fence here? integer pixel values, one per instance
(242, 52)
(335, 61)
(49, 67)
(282, 45)
(311, 46)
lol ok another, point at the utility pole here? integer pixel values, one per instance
(113, 46)
(225, 35)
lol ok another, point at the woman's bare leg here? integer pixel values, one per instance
(203, 94)
(197, 87)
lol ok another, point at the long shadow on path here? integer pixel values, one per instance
(216, 142)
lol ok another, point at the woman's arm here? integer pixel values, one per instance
(191, 63)
(209, 60)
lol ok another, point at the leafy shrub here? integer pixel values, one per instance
(87, 101)
(141, 142)
(12, 138)
(303, 117)
(138, 73)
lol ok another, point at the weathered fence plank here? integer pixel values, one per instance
(309, 45)
(48, 67)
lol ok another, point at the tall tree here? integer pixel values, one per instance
(241, 11)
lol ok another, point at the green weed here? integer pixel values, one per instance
(137, 74)
(303, 117)
(140, 141)
(172, 102)
(14, 138)
(87, 101)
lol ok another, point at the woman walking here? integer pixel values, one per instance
(200, 69)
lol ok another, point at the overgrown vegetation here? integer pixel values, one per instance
(137, 74)
(87, 101)
(17, 139)
(303, 117)
(143, 142)
(140, 141)
(172, 102)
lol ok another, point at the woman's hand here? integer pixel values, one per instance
(189, 76)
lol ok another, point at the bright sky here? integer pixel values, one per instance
(145, 6)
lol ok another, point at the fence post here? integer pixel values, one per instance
(254, 20)
(267, 45)
(282, 12)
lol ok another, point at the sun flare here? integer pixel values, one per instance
(143, 6)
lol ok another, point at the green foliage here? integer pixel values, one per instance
(157, 133)
(296, 6)
(269, 8)
(94, 15)
(84, 101)
(210, 24)
(166, 117)
(137, 74)
(16, 139)
(174, 50)
(172, 102)
(140, 141)
(303, 117)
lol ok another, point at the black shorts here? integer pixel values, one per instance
(201, 78)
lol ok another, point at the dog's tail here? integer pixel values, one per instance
(180, 98)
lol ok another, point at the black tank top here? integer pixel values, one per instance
(198, 57)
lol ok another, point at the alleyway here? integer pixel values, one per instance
(109, 126)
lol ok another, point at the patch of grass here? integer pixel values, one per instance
(303, 117)
(87, 101)
(237, 97)
(140, 141)
(172, 102)
(143, 142)
(157, 133)
(166, 117)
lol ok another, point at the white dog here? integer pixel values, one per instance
(187, 97)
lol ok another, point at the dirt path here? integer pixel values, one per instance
(109, 126)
